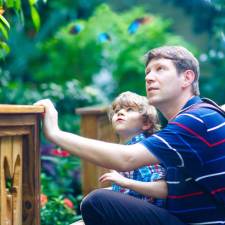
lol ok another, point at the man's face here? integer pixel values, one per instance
(163, 83)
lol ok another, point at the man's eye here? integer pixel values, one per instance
(159, 68)
(147, 72)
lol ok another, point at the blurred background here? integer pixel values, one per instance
(84, 52)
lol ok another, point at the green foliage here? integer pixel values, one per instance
(57, 174)
(6, 7)
(57, 212)
(84, 48)
(60, 170)
(212, 20)
(66, 97)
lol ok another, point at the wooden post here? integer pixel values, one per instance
(94, 124)
(19, 165)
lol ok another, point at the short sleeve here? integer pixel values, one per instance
(179, 143)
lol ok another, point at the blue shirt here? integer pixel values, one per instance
(192, 148)
(145, 174)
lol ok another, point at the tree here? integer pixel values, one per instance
(212, 20)
(7, 9)
(108, 45)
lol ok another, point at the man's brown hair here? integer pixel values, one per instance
(182, 59)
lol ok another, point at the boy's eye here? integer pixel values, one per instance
(130, 109)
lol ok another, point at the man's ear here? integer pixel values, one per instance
(189, 77)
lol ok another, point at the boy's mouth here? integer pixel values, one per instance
(119, 119)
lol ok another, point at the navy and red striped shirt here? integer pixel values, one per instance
(192, 148)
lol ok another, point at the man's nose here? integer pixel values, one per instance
(150, 77)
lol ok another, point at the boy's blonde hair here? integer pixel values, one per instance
(139, 103)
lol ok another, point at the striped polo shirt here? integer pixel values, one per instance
(192, 148)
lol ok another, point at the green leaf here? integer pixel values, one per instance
(2, 18)
(4, 31)
(4, 49)
(18, 4)
(35, 17)
(9, 3)
(32, 2)
(20, 16)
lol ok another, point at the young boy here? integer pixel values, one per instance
(133, 120)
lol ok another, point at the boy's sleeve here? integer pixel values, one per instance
(159, 172)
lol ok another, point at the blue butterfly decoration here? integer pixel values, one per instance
(104, 37)
(136, 23)
(76, 29)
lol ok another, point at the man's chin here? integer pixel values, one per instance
(152, 101)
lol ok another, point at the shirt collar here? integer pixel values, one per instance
(136, 139)
(192, 101)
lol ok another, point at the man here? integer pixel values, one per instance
(191, 147)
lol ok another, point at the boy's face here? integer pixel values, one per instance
(127, 122)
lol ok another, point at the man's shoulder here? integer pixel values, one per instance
(201, 112)
(204, 107)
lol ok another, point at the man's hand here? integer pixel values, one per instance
(50, 118)
(114, 177)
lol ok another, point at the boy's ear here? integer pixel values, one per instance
(146, 125)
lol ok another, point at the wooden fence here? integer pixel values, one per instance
(19, 165)
(94, 124)
(20, 159)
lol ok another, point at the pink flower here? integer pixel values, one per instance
(68, 203)
(44, 199)
(60, 153)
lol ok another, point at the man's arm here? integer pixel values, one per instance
(155, 189)
(108, 155)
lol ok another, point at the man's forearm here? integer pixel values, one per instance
(108, 155)
(113, 156)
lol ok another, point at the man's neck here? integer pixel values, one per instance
(171, 109)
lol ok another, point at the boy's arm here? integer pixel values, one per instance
(155, 189)
(108, 155)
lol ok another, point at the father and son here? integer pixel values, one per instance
(172, 176)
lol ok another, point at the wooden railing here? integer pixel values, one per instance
(94, 124)
(19, 165)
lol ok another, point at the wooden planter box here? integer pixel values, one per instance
(94, 124)
(19, 165)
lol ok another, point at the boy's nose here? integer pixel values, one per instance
(121, 112)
